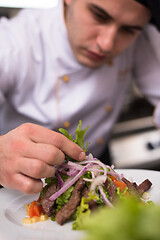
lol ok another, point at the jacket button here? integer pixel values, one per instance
(66, 78)
(99, 141)
(110, 63)
(109, 108)
(66, 124)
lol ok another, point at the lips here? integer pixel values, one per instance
(96, 56)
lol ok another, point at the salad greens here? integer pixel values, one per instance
(130, 220)
(79, 137)
(102, 187)
(83, 211)
(64, 198)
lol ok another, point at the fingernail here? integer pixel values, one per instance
(82, 156)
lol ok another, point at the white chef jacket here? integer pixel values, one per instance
(41, 82)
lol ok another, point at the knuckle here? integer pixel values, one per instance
(49, 154)
(61, 157)
(26, 128)
(53, 155)
(51, 173)
(17, 145)
(38, 167)
(28, 186)
(57, 156)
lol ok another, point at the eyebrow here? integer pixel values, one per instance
(106, 15)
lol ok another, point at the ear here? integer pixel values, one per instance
(67, 2)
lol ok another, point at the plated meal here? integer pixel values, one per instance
(80, 188)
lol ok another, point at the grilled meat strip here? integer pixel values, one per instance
(70, 207)
(131, 188)
(92, 204)
(111, 190)
(46, 203)
(137, 190)
(143, 187)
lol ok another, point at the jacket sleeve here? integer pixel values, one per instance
(146, 70)
(18, 45)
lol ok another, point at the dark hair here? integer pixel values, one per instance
(154, 6)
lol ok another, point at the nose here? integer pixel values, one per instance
(106, 38)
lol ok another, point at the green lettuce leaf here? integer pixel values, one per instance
(64, 198)
(61, 200)
(130, 220)
(83, 211)
(49, 182)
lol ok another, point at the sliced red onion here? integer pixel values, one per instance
(105, 199)
(65, 166)
(93, 175)
(75, 165)
(97, 181)
(68, 180)
(78, 166)
(89, 157)
(95, 170)
(69, 184)
(87, 180)
(72, 173)
(60, 180)
(96, 162)
(76, 170)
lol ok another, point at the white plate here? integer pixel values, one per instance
(12, 211)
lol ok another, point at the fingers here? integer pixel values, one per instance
(44, 152)
(29, 153)
(22, 183)
(26, 184)
(39, 134)
(34, 168)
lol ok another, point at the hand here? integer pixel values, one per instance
(29, 153)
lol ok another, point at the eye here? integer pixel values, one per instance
(99, 15)
(128, 30)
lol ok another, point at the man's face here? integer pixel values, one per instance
(100, 30)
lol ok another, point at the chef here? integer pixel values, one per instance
(68, 63)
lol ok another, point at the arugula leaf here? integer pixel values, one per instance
(65, 133)
(80, 134)
(79, 137)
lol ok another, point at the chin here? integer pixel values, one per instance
(89, 63)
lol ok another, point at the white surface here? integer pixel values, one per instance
(12, 211)
(28, 3)
(131, 151)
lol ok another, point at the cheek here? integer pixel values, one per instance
(84, 35)
(123, 42)
(84, 28)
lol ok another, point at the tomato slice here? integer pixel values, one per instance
(34, 209)
(119, 184)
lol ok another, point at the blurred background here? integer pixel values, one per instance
(135, 142)
(8, 12)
